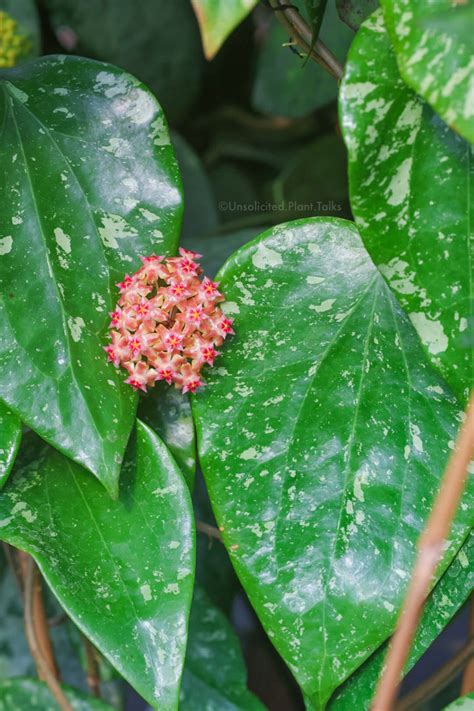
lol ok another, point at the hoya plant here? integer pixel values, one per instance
(236, 352)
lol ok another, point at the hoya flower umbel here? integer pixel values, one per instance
(167, 323)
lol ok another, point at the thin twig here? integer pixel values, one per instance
(209, 530)
(46, 672)
(92, 666)
(301, 33)
(438, 681)
(430, 548)
(467, 686)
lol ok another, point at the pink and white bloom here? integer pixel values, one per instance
(167, 325)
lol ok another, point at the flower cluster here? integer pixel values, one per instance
(167, 325)
(13, 45)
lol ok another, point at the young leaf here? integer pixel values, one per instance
(168, 412)
(448, 596)
(89, 183)
(217, 19)
(214, 673)
(10, 437)
(433, 43)
(123, 570)
(410, 194)
(26, 693)
(354, 12)
(322, 435)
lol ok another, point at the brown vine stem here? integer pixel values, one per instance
(467, 686)
(38, 646)
(299, 30)
(430, 549)
(438, 681)
(92, 665)
(209, 530)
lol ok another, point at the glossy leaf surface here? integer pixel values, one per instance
(214, 674)
(88, 183)
(354, 12)
(447, 598)
(409, 178)
(142, 38)
(122, 570)
(433, 43)
(217, 19)
(10, 437)
(168, 412)
(16, 694)
(322, 436)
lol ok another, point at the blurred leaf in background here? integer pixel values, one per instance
(354, 12)
(217, 19)
(20, 37)
(287, 85)
(156, 40)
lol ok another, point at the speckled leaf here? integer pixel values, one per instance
(464, 703)
(410, 194)
(214, 673)
(286, 85)
(322, 436)
(448, 596)
(88, 183)
(354, 12)
(217, 19)
(10, 437)
(433, 43)
(22, 694)
(168, 412)
(156, 40)
(122, 570)
(24, 12)
(216, 248)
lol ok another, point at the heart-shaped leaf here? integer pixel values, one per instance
(410, 194)
(446, 599)
(89, 183)
(25, 693)
(123, 570)
(214, 674)
(433, 42)
(10, 437)
(322, 436)
(217, 19)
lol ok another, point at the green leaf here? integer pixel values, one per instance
(466, 703)
(315, 10)
(25, 693)
(448, 596)
(155, 40)
(322, 436)
(217, 19)
(123, 570)
(214, 674)
(218, 247)
(90, 183)
(10, 438)
(168, 412)
(410, 194)
(433, 43)
(200, 213)
(354, 12)
(286, 85)
(24, 12)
